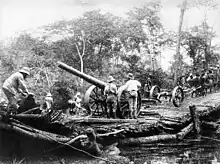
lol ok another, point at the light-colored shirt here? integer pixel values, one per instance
(14, 83)
(132, 85)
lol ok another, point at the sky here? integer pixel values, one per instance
(20, 15)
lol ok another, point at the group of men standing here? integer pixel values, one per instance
(131, 87)
(15, 85)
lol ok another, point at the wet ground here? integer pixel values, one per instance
(203, 151)
(207, 151)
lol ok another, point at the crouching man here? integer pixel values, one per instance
(15, 85)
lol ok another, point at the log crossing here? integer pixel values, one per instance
(156, 124)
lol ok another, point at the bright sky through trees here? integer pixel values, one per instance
(19, 15)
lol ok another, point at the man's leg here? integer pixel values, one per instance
(12, 102)
(108, 109)
(131, 104)
(114, 108)
(135, 107)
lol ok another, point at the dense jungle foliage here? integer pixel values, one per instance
(101, 44)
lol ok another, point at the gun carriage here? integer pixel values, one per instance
(95, 100)
(176, 96)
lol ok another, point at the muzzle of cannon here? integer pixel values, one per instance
(95, 99)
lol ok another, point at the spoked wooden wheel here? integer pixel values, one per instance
(95, 101)
(177, 96)
(154, 91)
(123, 105)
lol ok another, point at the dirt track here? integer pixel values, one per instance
(167, 109)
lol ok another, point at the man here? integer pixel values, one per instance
(46, 107)
(14, 85)
(74, 105)
(132, 86)
(110, 92)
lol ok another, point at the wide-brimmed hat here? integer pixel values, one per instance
(25, 70)
(111, 79)
(78, 94)
(49, 95)
(130, 75)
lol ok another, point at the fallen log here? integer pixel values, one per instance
(44, 133)
(110, 133)
(158, 138)
(195, 119)
(184, 132)
(32, 132)
(28, 116)
(145, 140)
(24, 132)
(167, 145)
(176, 120)
(69, 142)
(210, 125)
(30, 110)
(106, 120)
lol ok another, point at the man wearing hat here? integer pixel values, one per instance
(110, 92)
(14, 85)
(46, 106)
(132, 86)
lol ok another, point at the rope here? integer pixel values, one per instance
(80, 150)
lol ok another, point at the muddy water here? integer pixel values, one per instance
(190, 151)
(193, 151)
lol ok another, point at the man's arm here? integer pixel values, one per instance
(22, 87)
(138, 84)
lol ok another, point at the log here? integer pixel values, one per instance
(106, 120)
(32, 132)
(28, 116)
(146, 140)
(68, 143)
(167, 145)
(176, 120)
(24, 132)
(210, 125)
(84, 137)
(195, 119)
(40, 133)
(30, 110)
(110, 133)
(184, 131)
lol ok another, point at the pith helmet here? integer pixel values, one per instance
(111, 79)
(25, 70)
(77, 94)
(49, 95)
(130, 75)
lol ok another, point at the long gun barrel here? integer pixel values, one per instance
(84, 76)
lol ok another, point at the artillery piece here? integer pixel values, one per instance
(95, 100)
(176, 96)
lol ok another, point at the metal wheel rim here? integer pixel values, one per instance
(153, 91)
(95, 101)
(177, 96)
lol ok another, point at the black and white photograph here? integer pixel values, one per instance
(109, 82)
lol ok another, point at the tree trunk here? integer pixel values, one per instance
(178, 57)
(81, 68)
